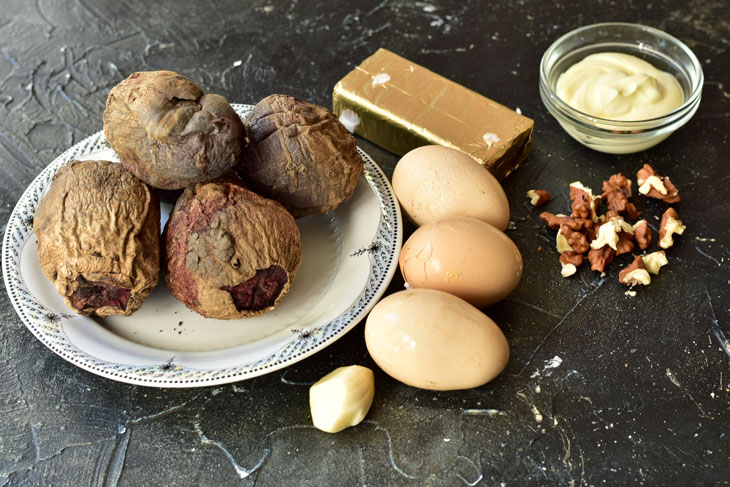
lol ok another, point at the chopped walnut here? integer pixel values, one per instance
(655, 186)
(561, 242)
(571, 258)
(583, 203)
(608, 233)
(538, 197)
(625, 244)
(555, 221)
(601, 258)
(575, 240)
(569, 262)
(616, 192)
(670, 225)
(600, 238)
(654, 261)
(635, 273)
(642, 234)
(567, 270)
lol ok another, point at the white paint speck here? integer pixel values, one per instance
(537, 413)
(437, 22)
(350, 120)
(538, 389)
(427, 7)
(268, 9)
(490, 138)
(380, 79)
(518, 110)
(630, 293)
(553, 363)
(447, 440)
(237, 63)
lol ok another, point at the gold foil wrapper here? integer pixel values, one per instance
(400, 105)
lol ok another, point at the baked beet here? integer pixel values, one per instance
(300, 155)
(98, 230)
(260, 291)
(91, 295)
(228, 252)
(168, 133)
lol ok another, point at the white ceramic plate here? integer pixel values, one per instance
(349, 256)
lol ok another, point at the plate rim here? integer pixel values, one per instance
(47, 326)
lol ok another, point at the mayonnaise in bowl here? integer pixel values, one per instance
(618, 86)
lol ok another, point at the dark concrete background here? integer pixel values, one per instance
(641, 394)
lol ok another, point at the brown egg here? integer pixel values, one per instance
(433, 340)
(434, 182)
(462, 256)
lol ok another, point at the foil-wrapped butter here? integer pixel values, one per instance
(400, 105)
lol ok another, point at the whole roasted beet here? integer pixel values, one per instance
(98, 230)
(228, 252)
(168, 133)
(300, 155)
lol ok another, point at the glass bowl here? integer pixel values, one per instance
(652, 45)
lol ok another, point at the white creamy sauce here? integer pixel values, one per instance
(619, 86)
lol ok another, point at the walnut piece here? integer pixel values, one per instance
(571, 241)
(554, 222)
(570, 261)
(538, 197)
(601, 258)
(608, 233)
(568, 270)
(561, 242)
(616, 193)
(583, 203)
(642, 234)
(654, 261)
(670, 225)
(635, 273)
(655, 186)
(625, 244)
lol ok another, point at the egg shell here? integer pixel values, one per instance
(434, 340)
(433, 182)
(462, 256)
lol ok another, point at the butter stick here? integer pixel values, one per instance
(400, 105)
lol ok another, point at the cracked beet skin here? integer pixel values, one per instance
(299, 155)
(168, 133)
(98, 230)
(228, 252)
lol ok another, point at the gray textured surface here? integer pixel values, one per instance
(642, 393)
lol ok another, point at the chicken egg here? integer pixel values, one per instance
(462, 256)
(434, 340)
(433, 182)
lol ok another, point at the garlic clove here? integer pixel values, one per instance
(341, 398)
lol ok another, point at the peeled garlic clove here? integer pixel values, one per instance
(341, 398)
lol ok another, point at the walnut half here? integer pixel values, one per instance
(635, 273)
(671, 224)
(655, 186)
(538, 197)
